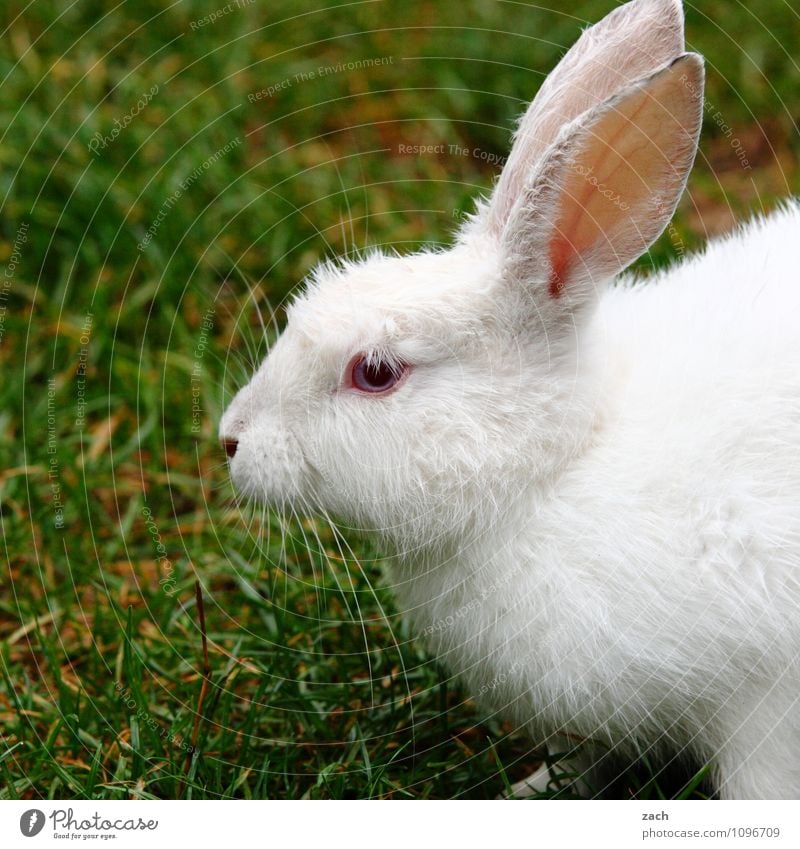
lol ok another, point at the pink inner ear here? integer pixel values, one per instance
(561, 255)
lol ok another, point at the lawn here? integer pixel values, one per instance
(169, 174)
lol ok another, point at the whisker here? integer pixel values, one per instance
(385, 619)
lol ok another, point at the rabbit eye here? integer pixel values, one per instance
(374, 376)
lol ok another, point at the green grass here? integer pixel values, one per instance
(316, 689)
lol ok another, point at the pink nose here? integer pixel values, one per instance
(230, 445)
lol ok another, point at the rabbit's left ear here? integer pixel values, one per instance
(606, 188)
(629, 44)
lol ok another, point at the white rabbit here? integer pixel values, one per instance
(591, 488)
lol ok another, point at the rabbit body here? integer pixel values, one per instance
(651, 593)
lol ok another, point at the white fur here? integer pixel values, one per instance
(593, 499)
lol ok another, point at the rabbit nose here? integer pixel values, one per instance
(230, 444)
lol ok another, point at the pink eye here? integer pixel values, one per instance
(374, 376)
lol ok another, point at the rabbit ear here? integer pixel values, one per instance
(606, 188)
(628, 44)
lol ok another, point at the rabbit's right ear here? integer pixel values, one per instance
(630, 43)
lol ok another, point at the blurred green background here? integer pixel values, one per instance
(166, 180)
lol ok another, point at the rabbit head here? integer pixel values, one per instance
(420, 395)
